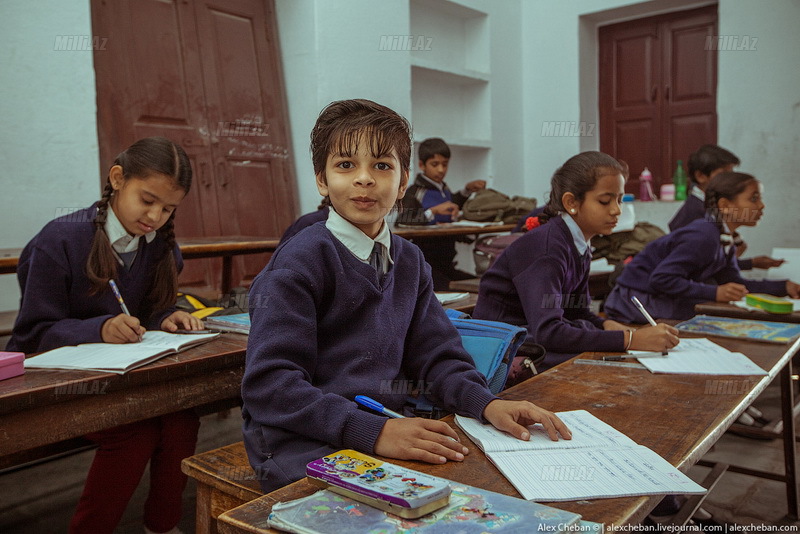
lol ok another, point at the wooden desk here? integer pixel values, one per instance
(443, 230)
(598, 285)
(723, 309)
(683, 422)
(46, 406)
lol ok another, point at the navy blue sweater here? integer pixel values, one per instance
(57, 307)
(541, 281)
(677, 271)
(326, 328)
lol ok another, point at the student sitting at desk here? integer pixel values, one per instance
(307, 220)
(352, 311)
(429, 201)
(696, 263)
(703, 165)
(64, 275)
(541, 279)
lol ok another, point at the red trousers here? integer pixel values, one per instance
(118, 466)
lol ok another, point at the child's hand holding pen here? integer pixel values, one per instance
(122, 329)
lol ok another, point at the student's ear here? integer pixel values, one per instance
(421, 165)
(322, 184)
(116, 177)
(723, 203)
(570, 203)
(401, 192)
(701, 179)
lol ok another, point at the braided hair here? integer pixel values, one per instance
(151, 155)
(725, 185)
(579, 175)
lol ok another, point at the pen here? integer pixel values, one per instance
(621, 357)
(632, 365)
(646, 315)
(117, 294)
(372, 404)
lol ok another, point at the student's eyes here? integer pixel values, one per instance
(345, 165)
(383, 166)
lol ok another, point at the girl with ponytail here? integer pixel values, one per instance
(64, 273)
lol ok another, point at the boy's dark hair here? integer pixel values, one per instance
(579, 175)
(344, 123)
(709, 158)
(433, 146)
(148, 156)
(725, 185)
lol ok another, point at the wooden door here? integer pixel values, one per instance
(156, 78)
(658, 91)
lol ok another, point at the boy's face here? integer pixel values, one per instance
(435, 168)
(702, 179)
(363, 188)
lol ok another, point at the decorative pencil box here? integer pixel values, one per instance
(769, 303)
(11, 364)
(394, 489)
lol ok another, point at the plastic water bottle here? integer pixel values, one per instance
(627, 219)
(646, 186)
(679, 179)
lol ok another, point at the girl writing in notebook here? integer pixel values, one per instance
(64, 275)
(696, 263)
(541, 279)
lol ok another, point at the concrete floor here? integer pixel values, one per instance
(41, 499)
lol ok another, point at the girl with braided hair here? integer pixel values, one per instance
(541, 280)
(696, 263)
(64, 274)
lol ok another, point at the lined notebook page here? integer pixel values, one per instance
(701, 356)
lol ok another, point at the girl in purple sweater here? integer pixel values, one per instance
(541, 279)
(64, 275)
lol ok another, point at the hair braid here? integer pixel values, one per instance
(165, 287)
(101, 266)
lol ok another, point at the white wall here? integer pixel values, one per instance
(49, 155)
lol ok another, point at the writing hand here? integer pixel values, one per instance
(122, 328)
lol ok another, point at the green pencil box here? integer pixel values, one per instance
(769, 303)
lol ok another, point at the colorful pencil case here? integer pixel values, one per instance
(769, 303)
(11, 364)
(394, 489)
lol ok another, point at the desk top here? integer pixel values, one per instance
(671, 414)
(447, 229)
(724, 309)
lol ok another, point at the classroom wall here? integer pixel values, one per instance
(49, 154)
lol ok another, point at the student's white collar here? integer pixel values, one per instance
(437, 185)
(354, 239)
(121, 240)
(577, 234)
(699, 193)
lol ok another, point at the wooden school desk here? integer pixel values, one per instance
(723, 309)
(677, 416)
(46, 406)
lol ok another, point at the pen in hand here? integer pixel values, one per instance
(647, 316)
(117, 294)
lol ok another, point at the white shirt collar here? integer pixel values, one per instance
(577, 234)
(121, 240)
(355, 240)
(699, 193)
(437, 185)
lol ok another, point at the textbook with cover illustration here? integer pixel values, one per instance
(599, 461)
(237, 322)
(470, 511)
(772, 332)
(117, 358)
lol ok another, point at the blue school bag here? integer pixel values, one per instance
(491, 344)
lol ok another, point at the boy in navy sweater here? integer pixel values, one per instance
(347, 309)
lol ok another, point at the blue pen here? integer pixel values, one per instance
(377, 406)
(117, 294)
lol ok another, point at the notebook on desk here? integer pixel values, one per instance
(769, 331)
(117, 358)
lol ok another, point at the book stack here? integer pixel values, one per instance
(238, 323)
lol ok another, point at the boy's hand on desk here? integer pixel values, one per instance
(475, 185)
(731, 291)
(181, 320)
(446, 208)
(657, 338)
(765, 262)
(415, 438)
(792, 289)
(515, 416)
(123, 328)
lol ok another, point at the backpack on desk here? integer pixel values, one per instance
(489, 205)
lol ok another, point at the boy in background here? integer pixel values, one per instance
(429, 201)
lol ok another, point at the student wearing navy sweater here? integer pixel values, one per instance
(696, 263)
(705, 163)
(66, 300)
(541, 280)
(350, 309)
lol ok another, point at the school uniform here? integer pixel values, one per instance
(439, 252)
(304, 221)
(57, 309)
(331, 327)
(679, 270)
(541, 281)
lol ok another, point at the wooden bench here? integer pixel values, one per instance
(225, 480)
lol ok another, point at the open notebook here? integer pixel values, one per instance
(599, 461)
(114, 358)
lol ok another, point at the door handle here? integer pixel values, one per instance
(653, 94)
(204, 181)
(666, 92)
(222, 176)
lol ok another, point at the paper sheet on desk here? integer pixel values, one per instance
(600, 266)
(700, 356)
(447, 298)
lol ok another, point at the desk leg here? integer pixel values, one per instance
(789, 453)
(227, 274)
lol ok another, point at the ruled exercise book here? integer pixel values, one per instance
(599, 461)
(701, 356)
(117, 358)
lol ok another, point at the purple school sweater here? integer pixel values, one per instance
(325, 328)
(541, 282)
(677, 271)
(57, 307)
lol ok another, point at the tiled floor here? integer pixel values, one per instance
(41, 499)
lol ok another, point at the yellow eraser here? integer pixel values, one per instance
(769, 303)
